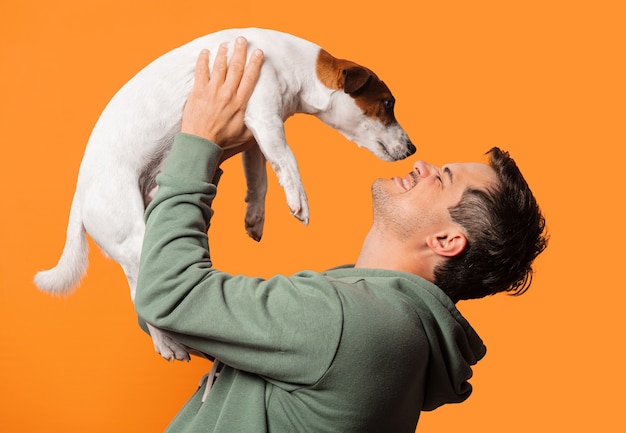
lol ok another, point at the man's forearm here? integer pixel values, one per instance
(177, 220)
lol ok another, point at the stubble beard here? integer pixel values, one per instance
(388, 215)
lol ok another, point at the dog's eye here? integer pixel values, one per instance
(388, 104)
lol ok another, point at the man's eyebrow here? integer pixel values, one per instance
(447, 171)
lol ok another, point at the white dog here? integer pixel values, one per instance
(135, 131)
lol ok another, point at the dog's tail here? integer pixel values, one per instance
(72, 265)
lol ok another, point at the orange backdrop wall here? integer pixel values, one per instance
(543, 79)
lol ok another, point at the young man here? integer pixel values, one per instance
(360, 348)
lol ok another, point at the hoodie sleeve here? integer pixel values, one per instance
(285, 328)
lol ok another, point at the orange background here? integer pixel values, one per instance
(543, 79)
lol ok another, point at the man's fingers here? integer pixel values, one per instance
(234, 74)
(202, 68)
(250, 75)
(215, 108)
(237, 62)
(220, 65)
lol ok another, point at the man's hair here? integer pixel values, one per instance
(505, 233)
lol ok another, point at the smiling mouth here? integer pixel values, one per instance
(407, 182)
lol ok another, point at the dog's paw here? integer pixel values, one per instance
(298, 205)
(172, 351)
(254, 220)
(301, 214)
(289, 179)
(167, 347)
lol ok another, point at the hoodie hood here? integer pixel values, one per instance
(454, 345)
(455, 348)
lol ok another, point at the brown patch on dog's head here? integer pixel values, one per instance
(370, 94)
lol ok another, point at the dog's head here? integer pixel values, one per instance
(362, 108)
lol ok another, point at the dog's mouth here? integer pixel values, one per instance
(385, 152)
(396, 156)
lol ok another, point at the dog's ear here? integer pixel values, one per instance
(354, 79)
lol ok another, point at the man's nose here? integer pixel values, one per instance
(422, 168)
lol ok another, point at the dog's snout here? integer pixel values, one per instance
(409, 149)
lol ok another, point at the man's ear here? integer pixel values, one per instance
(448, 244)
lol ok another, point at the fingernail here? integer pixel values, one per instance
(241, 40)
(258, 53)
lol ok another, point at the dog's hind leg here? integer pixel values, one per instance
(164, 345)
(255, 170)
(119, 233)
(129, 259)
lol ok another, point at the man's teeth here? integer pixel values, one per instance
(406, 183)
(409, 181)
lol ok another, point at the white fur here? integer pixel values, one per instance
(135, 131)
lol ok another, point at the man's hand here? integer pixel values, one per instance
(217, 103)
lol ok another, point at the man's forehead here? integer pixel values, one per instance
(475, 173)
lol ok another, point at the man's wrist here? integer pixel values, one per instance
(193, 157)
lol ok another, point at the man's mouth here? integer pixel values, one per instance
(407, 182)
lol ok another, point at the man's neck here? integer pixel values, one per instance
(381, 250)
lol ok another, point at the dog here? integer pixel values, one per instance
(134, 133)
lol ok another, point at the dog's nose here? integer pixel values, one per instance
(410, 150)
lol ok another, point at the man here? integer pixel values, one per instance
(360, 348)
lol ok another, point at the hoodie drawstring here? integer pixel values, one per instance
(210, 378)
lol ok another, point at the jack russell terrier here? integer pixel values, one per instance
(135, 131)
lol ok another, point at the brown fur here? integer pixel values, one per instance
(369, 92)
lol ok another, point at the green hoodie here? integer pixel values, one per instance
(346, 350)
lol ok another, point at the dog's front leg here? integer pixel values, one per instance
(270, 135)
(256, 180)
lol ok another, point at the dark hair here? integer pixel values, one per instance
(505, 233)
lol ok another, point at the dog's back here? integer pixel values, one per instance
(138, 125)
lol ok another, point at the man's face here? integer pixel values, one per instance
(419, 201)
